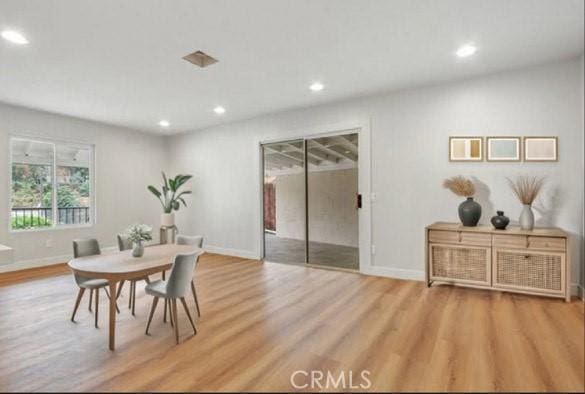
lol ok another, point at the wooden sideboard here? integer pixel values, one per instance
(515, 260)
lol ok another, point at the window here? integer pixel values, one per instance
(51, 184)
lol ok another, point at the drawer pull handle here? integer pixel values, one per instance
(526, 256)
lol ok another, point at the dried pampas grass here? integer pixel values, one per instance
(526, 188)
(460, 186)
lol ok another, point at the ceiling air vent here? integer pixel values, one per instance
(200, 59)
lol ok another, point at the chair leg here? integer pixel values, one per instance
(90, 299)
(120, 289)
(130, 294)
(195, 298)
(188, 314)
(134, 298)
(171, 317)
(164, 274)
(108, 295)
(174, 305)
(152, 309)
(165, 312)
(79, 295)
(97, 296)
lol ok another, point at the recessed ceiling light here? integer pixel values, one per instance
(164, 123)
(219, 110)
(14, 37)
(466, 51)
(316, 86)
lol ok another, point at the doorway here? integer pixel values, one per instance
(311, 201)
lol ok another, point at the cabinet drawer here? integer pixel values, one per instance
(546, 243)
(444, 236)
(509, 241)
(460, 237)
(541, 272)
(480, 239)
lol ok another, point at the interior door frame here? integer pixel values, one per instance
(362, 128)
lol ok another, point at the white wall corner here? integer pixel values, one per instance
(246, 254)
(396, 273)
(578, 290)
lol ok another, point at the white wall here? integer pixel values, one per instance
(126, 161)
(409, 131)
(333, 217)
(582, 84)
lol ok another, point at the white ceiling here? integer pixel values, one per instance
(120, 62)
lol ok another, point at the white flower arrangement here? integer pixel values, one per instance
(139, 233)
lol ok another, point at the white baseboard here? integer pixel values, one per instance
(578, 290)
(33, 263)
(397, 273)
(401, 273)
(246, 254)
(40, 262)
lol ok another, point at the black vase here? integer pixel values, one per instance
(469, 212)
(500, 221)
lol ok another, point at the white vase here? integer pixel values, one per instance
(167, 219)
(137, 249)
(527, 218)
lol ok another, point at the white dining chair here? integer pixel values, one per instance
(176, 287)
(197, 241)
(83, 248)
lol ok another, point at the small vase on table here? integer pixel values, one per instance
(138, 249)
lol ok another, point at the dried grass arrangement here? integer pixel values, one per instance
(460, 186)
(526, 188)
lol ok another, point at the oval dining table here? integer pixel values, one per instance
(122, 266)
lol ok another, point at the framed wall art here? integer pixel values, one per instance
(503, 148)
(541, 149)
(465, 148)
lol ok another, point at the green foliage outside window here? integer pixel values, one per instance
(32, 188)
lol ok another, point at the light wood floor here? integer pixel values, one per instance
(261, 322)
(292, 251)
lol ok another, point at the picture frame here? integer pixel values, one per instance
(541, 149)
(468, 149)
(504, 149)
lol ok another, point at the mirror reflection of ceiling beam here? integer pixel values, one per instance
(347, 143)
(315, 152)
(344, 152)
(299, 152)
(285, 156)
(293, 152)
(323, 144)
(283, 161)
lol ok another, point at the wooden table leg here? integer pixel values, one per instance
(112, 316)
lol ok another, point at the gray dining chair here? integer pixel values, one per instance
(197, 241)
(124, 243)
(83, 248)
(176, 287)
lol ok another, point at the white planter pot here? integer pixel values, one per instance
(167, 219)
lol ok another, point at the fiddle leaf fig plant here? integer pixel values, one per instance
(169, 196)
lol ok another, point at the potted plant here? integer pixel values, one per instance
(138, 233)
(170, 197)
(526, 189)
(469, 210)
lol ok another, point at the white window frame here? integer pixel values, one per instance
(54, 209)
